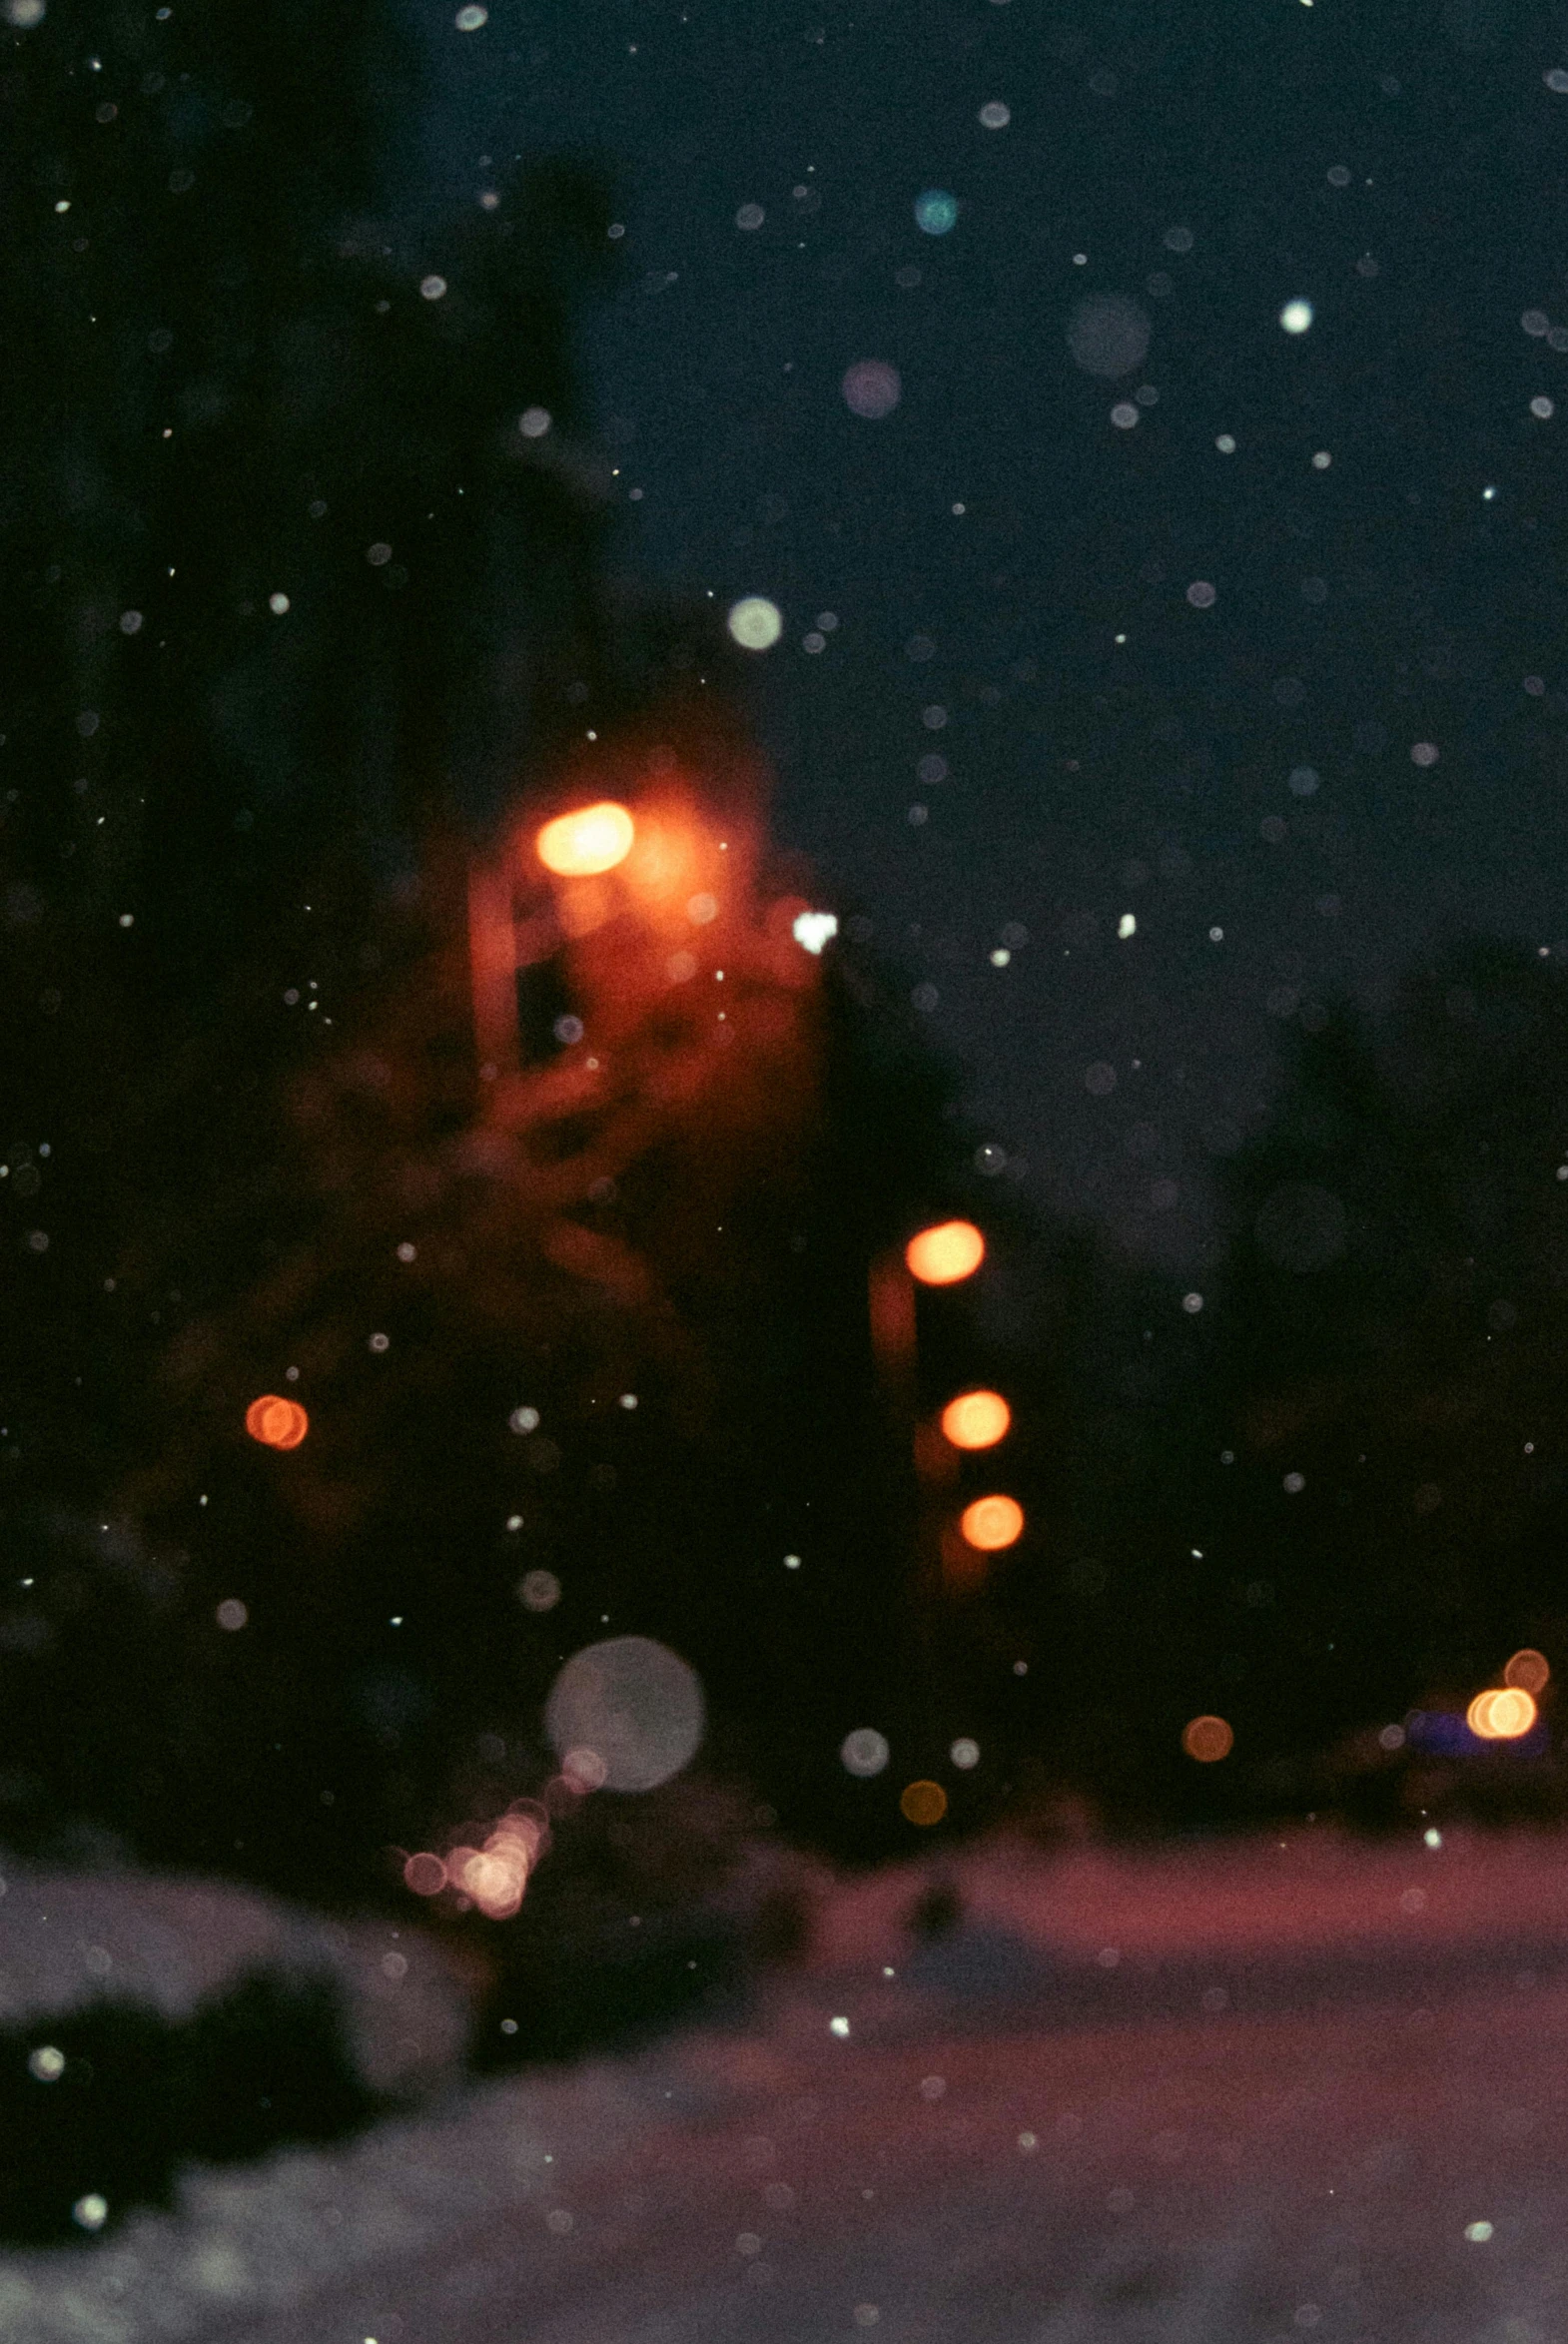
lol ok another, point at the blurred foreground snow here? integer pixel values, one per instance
(69, 1940)
(1204, 2095)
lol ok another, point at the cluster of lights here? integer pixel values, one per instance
(1501, 1715)
(943, 1256)
(492, 1876)
(1507, 1712)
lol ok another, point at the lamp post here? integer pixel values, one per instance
(949, 1556)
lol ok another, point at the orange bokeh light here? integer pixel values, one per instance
(588, 841)
(923, 1803)
(940, 1256)
(1207, 1739)
(976, 1420)
(1530, 1670)
(1501, 1715)
(992, 1522)
(425, 1875)
(277, 1423)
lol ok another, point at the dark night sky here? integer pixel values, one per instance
(1405, 170)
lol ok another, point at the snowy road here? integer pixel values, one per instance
(1262, 2092)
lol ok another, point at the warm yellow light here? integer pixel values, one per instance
(940, 1256)
(976, 1420)
(1207, 1739)
(277, 1423)
(1530, 1670)
(923, 1803)
(582, 844)
(992, 1522)
(1501, 1715)
(494, 1875)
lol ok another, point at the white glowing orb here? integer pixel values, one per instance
(865, 1752)
(1295, 317)
(755, 624)
(812, 929)
(635, 1703)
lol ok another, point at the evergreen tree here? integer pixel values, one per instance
(302, 600)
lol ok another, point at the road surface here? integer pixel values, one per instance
(1293, 2089)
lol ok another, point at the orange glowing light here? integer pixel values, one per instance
(1501, 1715)
(425, 1875)
(992, 1523)
(1530, 1670)
(940, 1256)
(976, 1420)
(277, 1423)
(1207, 1739)
(923, 1803)
(588, 841)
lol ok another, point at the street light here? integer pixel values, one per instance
(946, 1254)
(976, 1420)
(276, 1422)
(1501, 1715)
(992, 1523)
(588, 841)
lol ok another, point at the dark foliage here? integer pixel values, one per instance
(292, 611)
(138, 2096)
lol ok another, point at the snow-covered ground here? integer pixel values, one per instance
(72, 1939)
(1210, 2095)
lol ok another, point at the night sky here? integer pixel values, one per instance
(1010, 568)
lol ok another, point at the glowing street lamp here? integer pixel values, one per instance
(976, 1420)
(1501, 1715)
(946, 1254)
(276, 1422)
(992, 1523)
(588, 841)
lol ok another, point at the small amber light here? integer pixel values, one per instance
(993, 1522)
(1531, 1671)
(940, 1256)
(1207, 1739)
(976, 1420)
(588, 841)
(277, 1423)
(923, 1803)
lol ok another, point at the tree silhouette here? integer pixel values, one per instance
(304, 608)
(1394, 1317)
